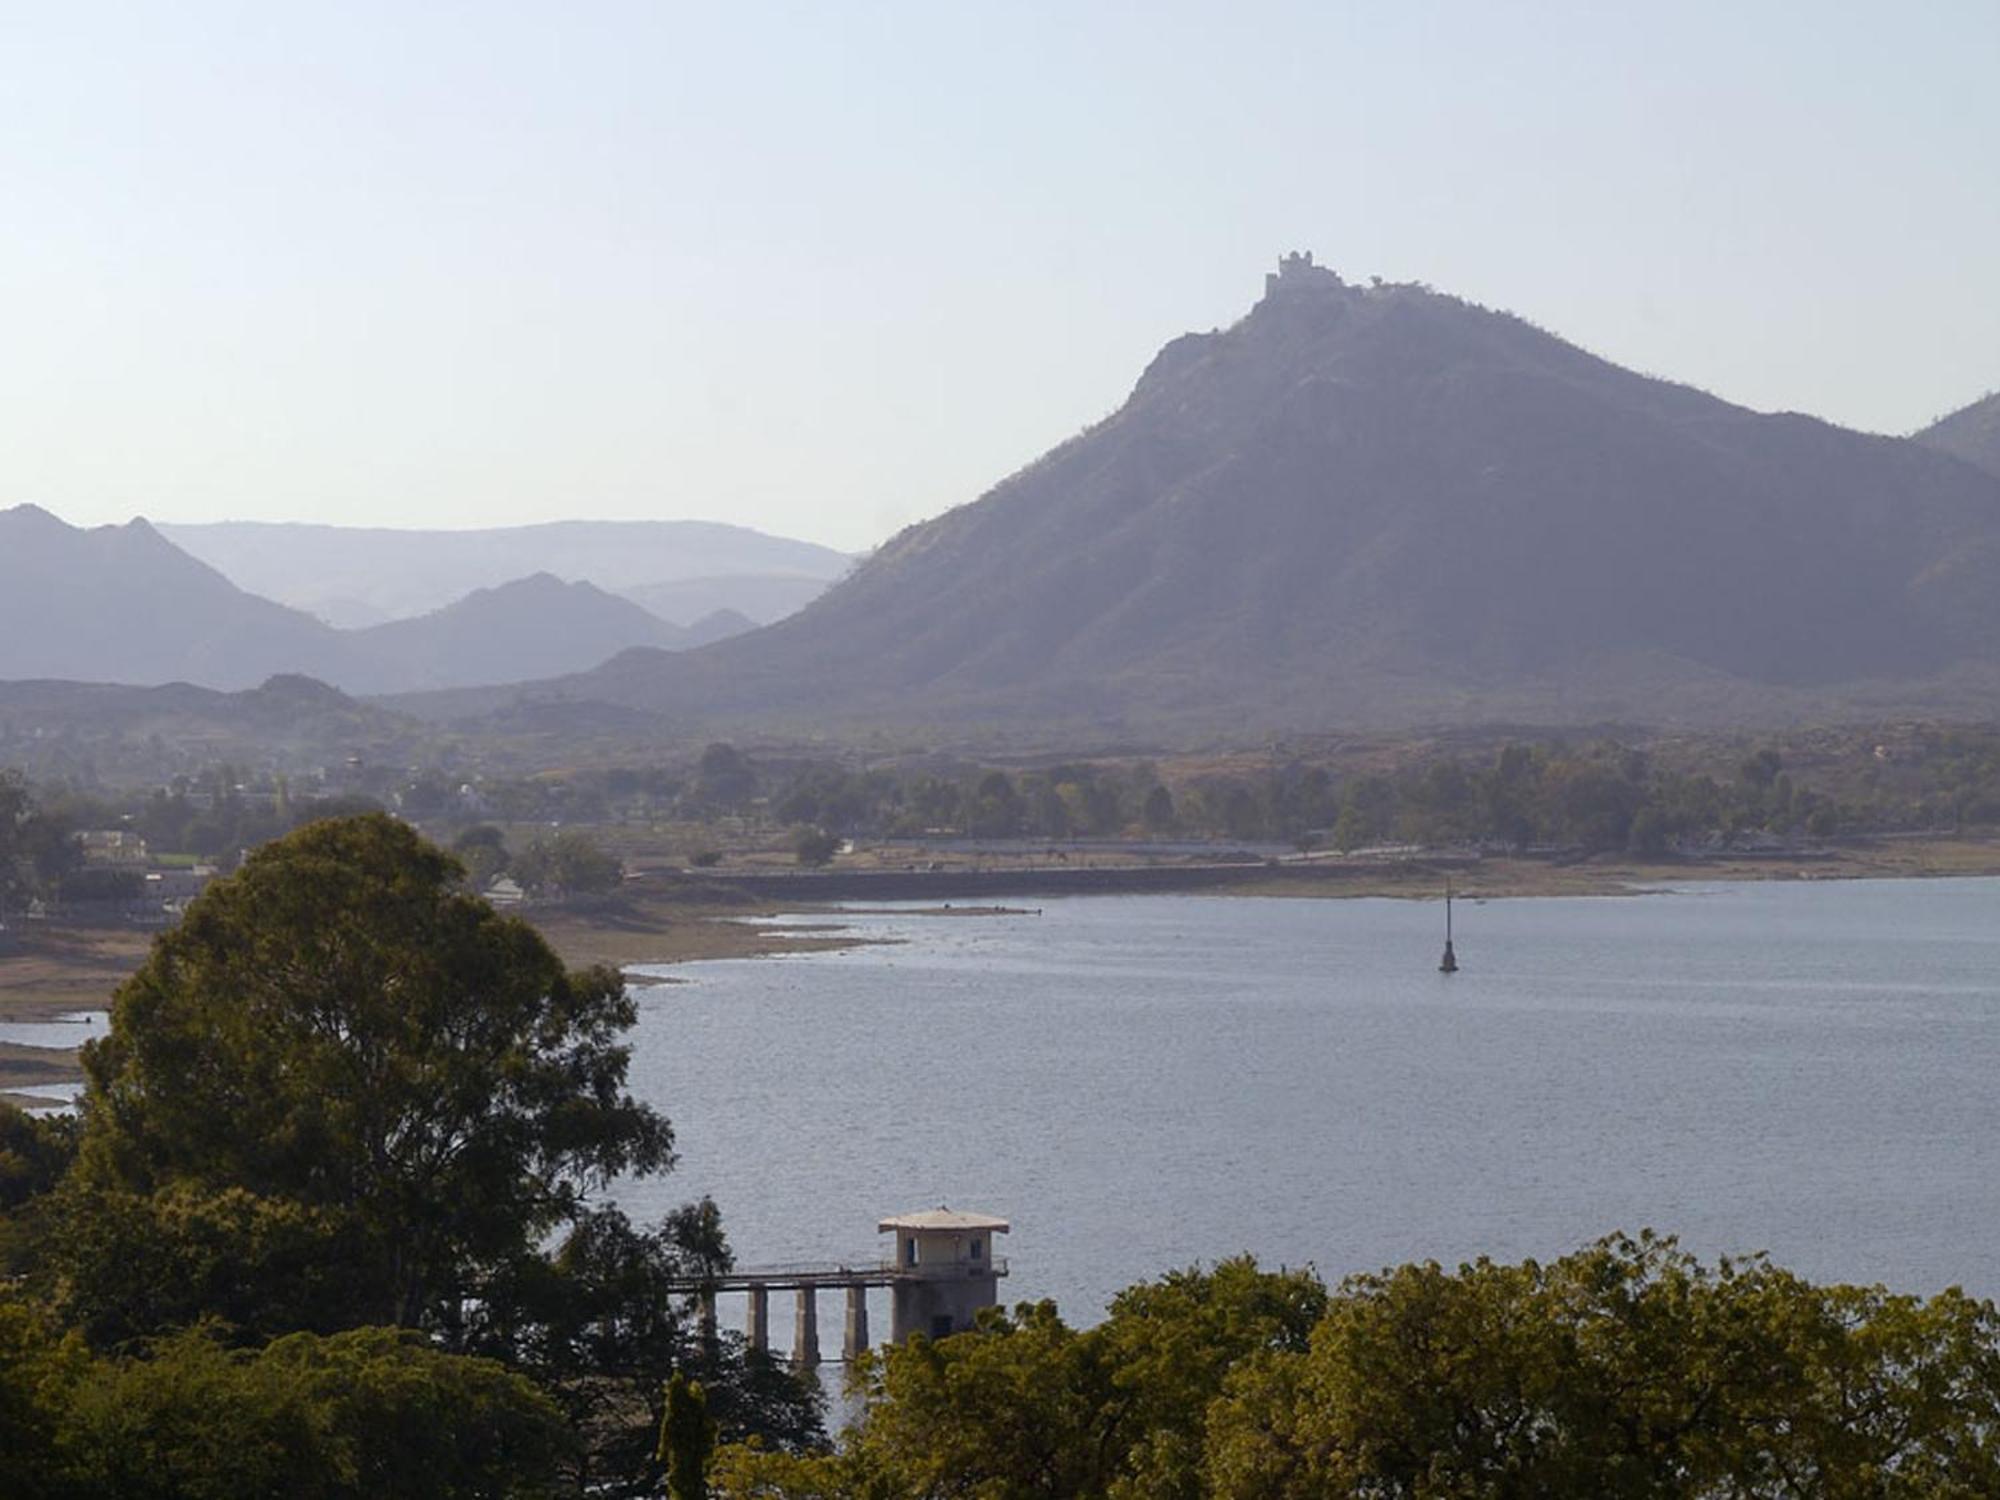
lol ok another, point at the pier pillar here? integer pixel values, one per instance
(857, 1322)
(805, 1331)
(757, 1326)
(707, 1316)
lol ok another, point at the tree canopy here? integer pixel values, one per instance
(332, 1197)
(373, 1413)
(38, 846)
(1627, 1371)
(570, 864)
(339, 1029)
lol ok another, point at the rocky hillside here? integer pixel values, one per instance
(1384, 505)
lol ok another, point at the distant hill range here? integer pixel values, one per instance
(354, 576)
(1382, 506)
(123, 604)
(125, 734)
(1971, 433)
(754, 598)
(534, 626)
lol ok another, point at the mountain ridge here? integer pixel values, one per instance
(1385, 505)
(123, 604)
(359, 575)
(1971, 433)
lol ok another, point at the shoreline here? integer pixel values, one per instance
(697, 921)
(998, 876)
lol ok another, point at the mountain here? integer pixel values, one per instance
(145, 734)
(1971, 433)
(1382, 506)
(358, 576)
(717, 625)
(536, 626)
(759, 597)
(122, 603)
(119, 731)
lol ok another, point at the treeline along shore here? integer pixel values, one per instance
(815, 887)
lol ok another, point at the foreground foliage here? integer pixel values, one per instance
(347, 1121)
(1628, 1369)
(341, 1045)
(374, 1412)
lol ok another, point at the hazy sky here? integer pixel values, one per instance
(826, 269)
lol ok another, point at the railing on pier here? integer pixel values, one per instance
(788, 1275)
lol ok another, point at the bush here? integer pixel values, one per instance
(815, 846)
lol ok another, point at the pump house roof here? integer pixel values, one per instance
(943, 1218)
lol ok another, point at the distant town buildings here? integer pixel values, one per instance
(113, 847)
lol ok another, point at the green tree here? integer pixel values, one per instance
(15, 809)
(34, 1154)
(1026, 1406)
(687, 1439)
(601, 1324)
(1173, 1343)
(37, 844)
(482, 849)
(1648, 833)
(996, 808)
(724, 779)
(1050, 1431)
(815, 846)
(1625, 1370)
(344, 1037)
(1760, 770)
(373, 1413)
(36, 1373)
(570, 864)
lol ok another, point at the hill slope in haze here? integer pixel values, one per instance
(122, 604)
(1379, 506)
(533, 627)
(759, 598)
(1971, 433)
(129, 735)
(356, 576)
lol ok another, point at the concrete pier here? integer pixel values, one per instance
(940, 1273)
(857, 1323)
(805, 1331)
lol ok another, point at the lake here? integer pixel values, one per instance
(1141, 1083)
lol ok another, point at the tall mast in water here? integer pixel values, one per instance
(1449, 963)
